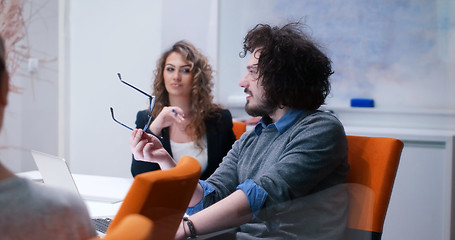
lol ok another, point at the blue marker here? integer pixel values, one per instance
(362, 102)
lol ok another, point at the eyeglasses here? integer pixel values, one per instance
(150, 108)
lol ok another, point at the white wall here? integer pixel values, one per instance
(106, 38)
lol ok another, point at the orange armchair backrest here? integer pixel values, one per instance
(239, 128)
(162, 196)
(374, 163)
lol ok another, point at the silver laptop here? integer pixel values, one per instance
(55, 172)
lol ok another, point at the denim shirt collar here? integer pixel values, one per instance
(282, 124)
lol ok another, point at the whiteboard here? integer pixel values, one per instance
(399, 53)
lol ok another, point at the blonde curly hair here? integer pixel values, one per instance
(202, 106)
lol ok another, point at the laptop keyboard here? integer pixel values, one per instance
(101, 224)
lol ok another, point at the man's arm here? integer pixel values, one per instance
(197, 196)
(231, 211)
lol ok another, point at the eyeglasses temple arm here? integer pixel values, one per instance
(112, 114)
(137, 89)
(145, 128)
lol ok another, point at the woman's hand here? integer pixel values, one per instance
(166, 118)
(146, 147)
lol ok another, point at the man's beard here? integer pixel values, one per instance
(260, 110)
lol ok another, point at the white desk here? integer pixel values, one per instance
(98, 186)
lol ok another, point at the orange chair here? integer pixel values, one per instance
(162, 196)
(131, 227)
(374, 163)
(239, 128)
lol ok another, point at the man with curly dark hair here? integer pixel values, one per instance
(284, 179)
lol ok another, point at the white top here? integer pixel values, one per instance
(190, 149)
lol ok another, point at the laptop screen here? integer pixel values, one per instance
(54, 171)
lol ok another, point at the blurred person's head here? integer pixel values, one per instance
(4, 87)
(4, 81)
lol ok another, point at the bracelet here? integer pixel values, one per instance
(184, 230)
(190, 224)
